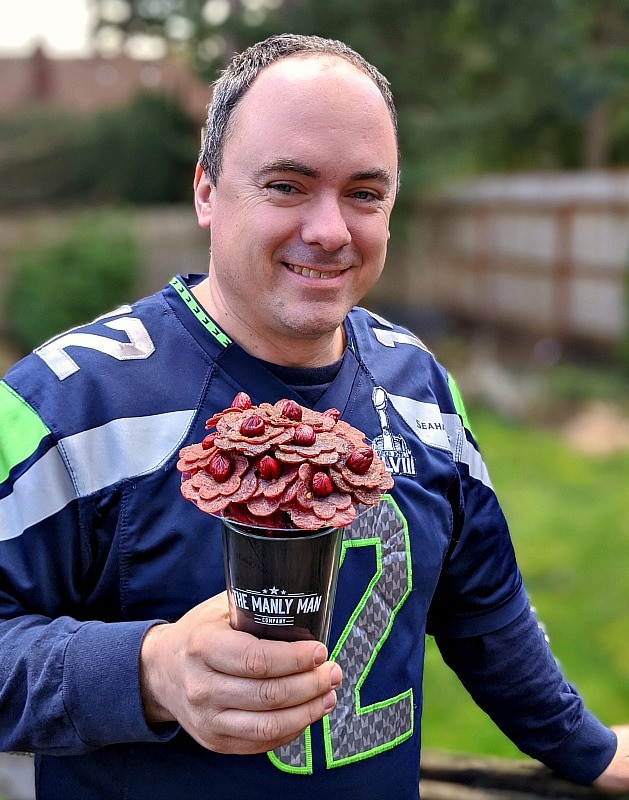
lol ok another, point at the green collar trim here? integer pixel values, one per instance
(199, 313)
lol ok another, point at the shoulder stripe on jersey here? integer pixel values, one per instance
(154, 439)
(464, 450)
(42, 491)
(390, 338)
(458, 402)
(445, 431)
(21, 430)
(95, 459)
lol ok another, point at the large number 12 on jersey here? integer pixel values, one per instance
(139, 344)
(353, 731)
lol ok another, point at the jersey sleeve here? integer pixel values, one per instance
(513, 677)
(486, 632)
(67, 684)
(480, 588)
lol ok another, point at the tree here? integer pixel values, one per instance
(480, 84)
(206, 32)
(604, 63)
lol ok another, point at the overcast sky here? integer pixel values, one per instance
(60, 24)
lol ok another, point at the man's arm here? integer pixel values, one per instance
(496, 646)
(232, 692)
(67, 687)
(513, 677)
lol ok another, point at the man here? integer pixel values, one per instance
(116, 667)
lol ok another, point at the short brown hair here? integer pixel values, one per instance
(236, 79)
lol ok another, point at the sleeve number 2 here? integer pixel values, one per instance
(139, 345)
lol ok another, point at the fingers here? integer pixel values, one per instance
(248, 657)
(255, 695)
(249, 694)
(236, 653)
(250, 732)
(232, 692)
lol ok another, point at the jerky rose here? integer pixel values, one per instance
(282, 466)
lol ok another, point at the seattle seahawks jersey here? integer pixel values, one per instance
(96, 544)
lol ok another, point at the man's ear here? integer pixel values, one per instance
(202, 192)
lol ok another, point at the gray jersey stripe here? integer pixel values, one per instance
(97, 458)
(445, 431)
(45, 489)
(154, 440)
(464, 450)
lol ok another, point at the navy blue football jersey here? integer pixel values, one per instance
(97, 543)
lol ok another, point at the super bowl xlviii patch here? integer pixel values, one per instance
(391, 448)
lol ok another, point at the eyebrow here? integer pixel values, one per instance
(291, 165)
(287, 165)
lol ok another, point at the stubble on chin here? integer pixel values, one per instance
(314, 322)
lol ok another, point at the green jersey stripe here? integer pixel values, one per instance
(21, 430)
(458, 403)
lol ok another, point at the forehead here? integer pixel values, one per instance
(314, 74)
(314, 102)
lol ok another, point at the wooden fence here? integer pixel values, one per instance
(452, 776)
(545, 252)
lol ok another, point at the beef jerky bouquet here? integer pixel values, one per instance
(285, 481)
(282, 466)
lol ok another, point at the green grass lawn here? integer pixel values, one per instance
(569, 519)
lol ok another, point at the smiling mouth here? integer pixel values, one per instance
(313, 273)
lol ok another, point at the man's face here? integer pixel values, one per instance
(299, 220)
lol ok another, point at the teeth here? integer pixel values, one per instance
(313, 273)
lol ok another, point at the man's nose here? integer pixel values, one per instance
(324, 224)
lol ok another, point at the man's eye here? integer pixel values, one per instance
(364, 194)
(284, 188)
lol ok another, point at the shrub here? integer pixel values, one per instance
(141, 153)
(52, 288)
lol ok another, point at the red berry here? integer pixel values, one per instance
(321, 484)
(241, 401)
(291, 410)
(269, 468)
(304, 435)
(360, 459)
(252, 426)
(208, 441)
(219, 467)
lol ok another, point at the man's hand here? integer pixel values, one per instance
(232, 692)
(615, 778)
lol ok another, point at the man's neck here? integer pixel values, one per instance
(305, 353)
